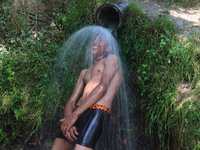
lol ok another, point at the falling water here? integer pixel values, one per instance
(76, 55)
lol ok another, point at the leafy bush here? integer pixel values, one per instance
(29, 97)
(25, 71)
(159, 62)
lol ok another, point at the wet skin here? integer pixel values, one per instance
(96, 85)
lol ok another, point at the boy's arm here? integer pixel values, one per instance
(71, 105)
(111, 67)
(75, 95)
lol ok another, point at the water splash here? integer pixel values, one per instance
(76, 55)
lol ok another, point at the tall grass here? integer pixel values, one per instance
(29, 99)
(159, 62)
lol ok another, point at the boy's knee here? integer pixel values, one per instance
(80, 147)
(61, 144)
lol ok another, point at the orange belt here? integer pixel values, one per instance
(100, 107)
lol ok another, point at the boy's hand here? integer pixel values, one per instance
(71, 135)
(66, 125)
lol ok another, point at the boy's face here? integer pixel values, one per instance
(98, 47)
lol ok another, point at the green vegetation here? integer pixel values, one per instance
(28, 46)
(160, 63)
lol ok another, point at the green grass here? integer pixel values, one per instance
(29, 96)
(159, 61)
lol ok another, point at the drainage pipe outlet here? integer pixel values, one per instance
(111, 15)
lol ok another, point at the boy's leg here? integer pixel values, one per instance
(80, 147)
(61, 144)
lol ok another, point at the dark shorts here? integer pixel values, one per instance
(90, 125)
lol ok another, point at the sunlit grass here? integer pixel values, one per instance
(160, 61)
(29, 96)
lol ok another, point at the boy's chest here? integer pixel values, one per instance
(94, 73)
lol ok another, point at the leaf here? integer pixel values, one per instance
(186, 121)
(18, 113)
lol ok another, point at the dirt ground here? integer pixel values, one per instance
(186, 19)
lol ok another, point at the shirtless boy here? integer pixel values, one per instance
(97, 86)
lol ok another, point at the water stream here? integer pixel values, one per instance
(76, 55)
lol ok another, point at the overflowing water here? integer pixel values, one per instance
(76, 55)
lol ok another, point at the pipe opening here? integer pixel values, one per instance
(108, 17)
(111, 15)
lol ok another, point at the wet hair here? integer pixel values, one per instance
(102, 37)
